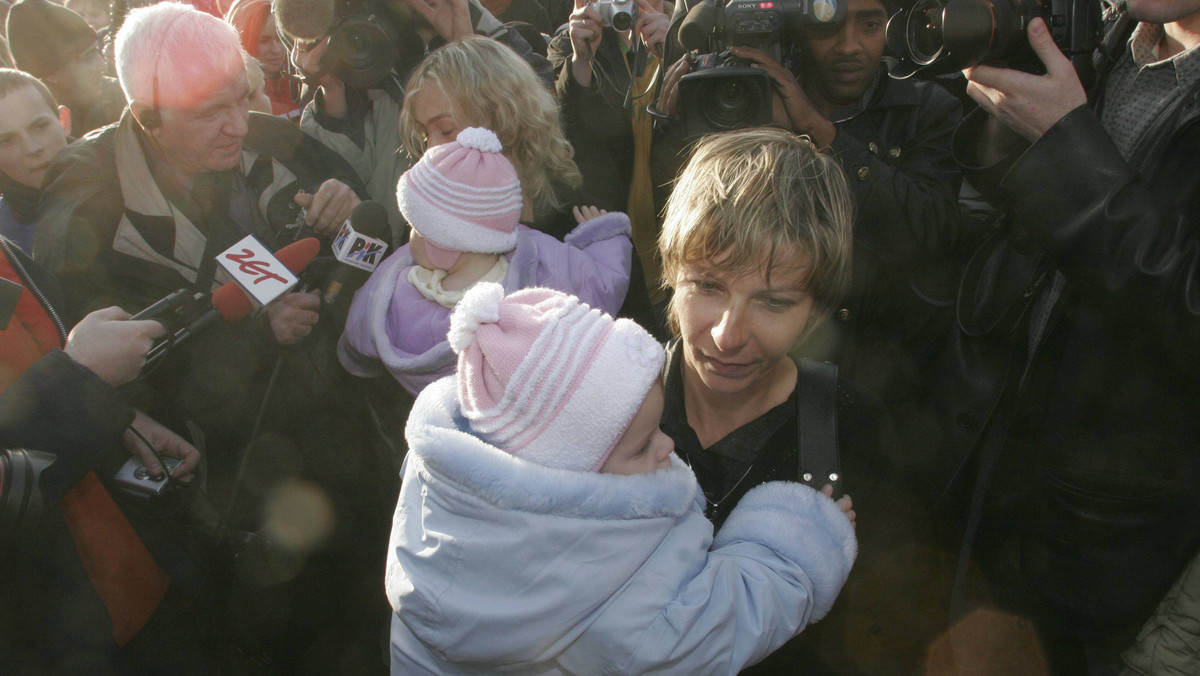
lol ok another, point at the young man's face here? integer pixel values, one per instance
(838, 68)
(31, 135)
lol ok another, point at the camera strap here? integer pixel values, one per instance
(817, 453)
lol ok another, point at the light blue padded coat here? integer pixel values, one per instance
(498, 565)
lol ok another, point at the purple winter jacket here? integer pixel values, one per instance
(392, 326)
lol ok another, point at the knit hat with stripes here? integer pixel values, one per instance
(546, 378)
(463, 196)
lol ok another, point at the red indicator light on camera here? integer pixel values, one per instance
(766, 5)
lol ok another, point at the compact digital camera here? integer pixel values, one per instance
(135, 479)
(619, 15)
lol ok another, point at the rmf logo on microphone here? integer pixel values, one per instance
(354, 248)
(262, 276)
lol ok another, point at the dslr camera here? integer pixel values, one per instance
(935, 37)
(620, 15)
(722, 92)
(366, 42)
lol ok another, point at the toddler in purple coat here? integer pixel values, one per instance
(464, 202)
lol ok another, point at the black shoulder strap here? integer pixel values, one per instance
(817, 430)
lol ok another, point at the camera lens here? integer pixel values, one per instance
(924, 34)
(622, 21)
(20, 493)
(731, 104)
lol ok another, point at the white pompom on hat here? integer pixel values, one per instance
(546, 378)
(464, 196)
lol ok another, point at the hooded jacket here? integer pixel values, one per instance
(391, 323)
(498, 564)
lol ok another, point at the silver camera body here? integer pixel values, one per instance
(620, 15)
(135, 479)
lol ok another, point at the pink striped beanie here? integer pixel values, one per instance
(546, 378)
(463, 196)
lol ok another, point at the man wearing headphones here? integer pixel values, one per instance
(143, 208)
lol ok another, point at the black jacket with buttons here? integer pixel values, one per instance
(896, 152)
(1085, 432)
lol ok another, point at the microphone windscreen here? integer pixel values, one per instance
(370, 218)
(231, 302)
(297, 255)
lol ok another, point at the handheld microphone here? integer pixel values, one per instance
(697, 27)
(359, 247)
(184, 313)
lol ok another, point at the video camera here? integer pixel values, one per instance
(935, 37)
(365, 45)
(723, 92)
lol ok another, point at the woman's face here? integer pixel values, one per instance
(737, 328)
(270, 50)
(432, 112)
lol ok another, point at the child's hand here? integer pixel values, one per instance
(844, 503)
(586, 213)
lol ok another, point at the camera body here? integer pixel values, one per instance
(619, 15)
(721, 92)
(936, 37)
(135, 479)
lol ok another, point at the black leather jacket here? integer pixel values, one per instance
(1091, 430)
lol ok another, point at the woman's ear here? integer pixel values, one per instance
(64, 119)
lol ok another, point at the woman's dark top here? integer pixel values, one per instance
(892, 605)
(764, 449)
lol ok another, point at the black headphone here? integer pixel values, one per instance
(150, 117)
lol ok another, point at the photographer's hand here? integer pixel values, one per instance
(798, 112)
(165, 442)
(332, 89)
(668, 94)
(113, 347)
(652, 26)
(586, 30)
(451, 19)
(1029, 104)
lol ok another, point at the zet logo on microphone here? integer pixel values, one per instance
(263, 277)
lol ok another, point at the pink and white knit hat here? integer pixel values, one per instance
(463, 196)
(546, 378)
